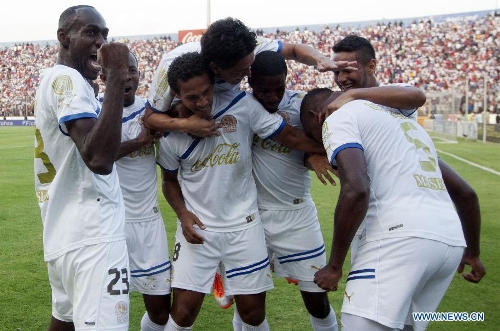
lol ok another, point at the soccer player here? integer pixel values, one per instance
(146, 235)
(230, 47)
(395, 212)
(76, 182)
(208, 183)
(362, 83)
(288, 213)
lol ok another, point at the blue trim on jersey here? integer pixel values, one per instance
(74, 117)
(168, 170)
(278, 130)
(306, 255)
(132, 116)
(153, 108)
(345, 146)
(370, 274)
(280, 46)
(247, 269)
(232, 103)
(151, 271)
(98, 111)
(361, 277)
(404, 112)
(190, 149)
(360, 271)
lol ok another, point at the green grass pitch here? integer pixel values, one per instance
(25, 292)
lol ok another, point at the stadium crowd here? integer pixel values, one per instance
(437, 56)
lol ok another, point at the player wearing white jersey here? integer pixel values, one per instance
(289, 216)
(209, 184)
(75, 177)
(395, 209)
(146, 235)
(229, 47)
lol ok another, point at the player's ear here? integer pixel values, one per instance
(215, 68)
(372, 66)
(63, 38)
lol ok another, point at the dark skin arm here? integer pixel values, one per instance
(349, 214)
(145, 138)
(295, 138)
(98, 140)
(193, 125)
(399, 97)
(321, 166)
(308, 55)
(467, 205)
(173, 193)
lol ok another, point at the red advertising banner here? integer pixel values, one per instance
(186, 36)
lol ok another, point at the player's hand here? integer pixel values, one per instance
(339, 99)
(113, 57)
(327, 64)
(199, 127)
(328, 277)
(477, 272)
(188, 221)
(320, 165)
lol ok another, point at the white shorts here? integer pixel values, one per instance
(149, 259)
(243, 254)
(391, 278)
(294, 237)
(90, 287)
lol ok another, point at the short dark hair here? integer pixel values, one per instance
(67, 16)
(314, 98)
(227, 41)
(268, 63)
(361, 46)
(185, 67)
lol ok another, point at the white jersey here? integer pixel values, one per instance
(137, 171)
(282, 180)
(78, 207)
(408, 197)
(160, 96)
(215, 173)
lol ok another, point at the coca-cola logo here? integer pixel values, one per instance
(187, 36)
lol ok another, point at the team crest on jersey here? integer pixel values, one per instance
(285, 116)
(121, 311)
(229, 123)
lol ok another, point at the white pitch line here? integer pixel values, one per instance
(469, 162)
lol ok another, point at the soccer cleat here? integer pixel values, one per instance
(223, 300)
(292, 281)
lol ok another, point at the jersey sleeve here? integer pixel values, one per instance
(340, 131)
(266, 44)
(75, 98)
(166, 156)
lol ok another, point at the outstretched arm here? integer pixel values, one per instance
(295, 138)
(399, 97)
(467, 205)
(307, 55)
